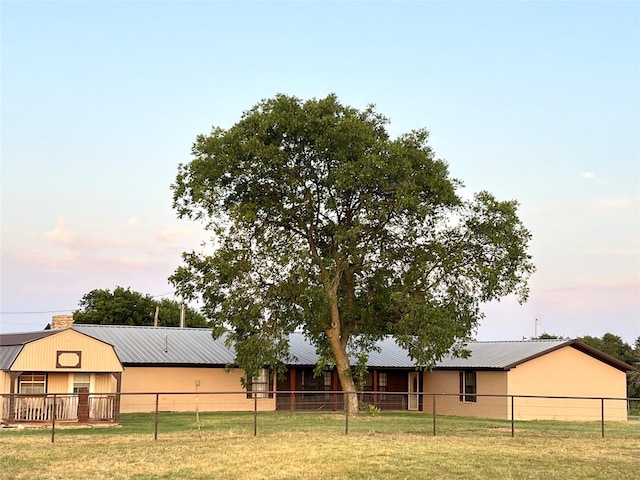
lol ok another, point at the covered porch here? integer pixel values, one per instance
(80, 408)
(58, 375)
(387, 389)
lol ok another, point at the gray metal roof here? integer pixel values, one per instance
(24, 337)
(162, 345)
(391, 355)
(11, 344)
(196, 346)
(500, 355)
(484, 355)
(8, 355)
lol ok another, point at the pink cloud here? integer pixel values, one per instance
(588, 296)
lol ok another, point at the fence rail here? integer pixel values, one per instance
(60, 407)
(50, 408)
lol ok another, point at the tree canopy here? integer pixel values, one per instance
(322, 222)
(127, 307)
(548, 336)
(613, 345)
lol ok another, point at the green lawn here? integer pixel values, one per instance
(314, 446)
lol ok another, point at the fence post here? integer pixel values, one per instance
(346, 414)
(255, 414)
(513, 429)
(155, 421)
(602, 415)
(434, 414)
(53, 420)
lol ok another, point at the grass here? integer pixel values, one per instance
(314, 446)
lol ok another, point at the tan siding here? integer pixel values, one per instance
(446, 381)
(59, 382)
(5, 382)
(165, 380)
(104, 383)
(5, 386)
(571, 373)
(40, 355)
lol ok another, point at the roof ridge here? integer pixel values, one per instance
(532, 340)
(149, 327)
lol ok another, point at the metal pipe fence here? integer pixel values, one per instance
(508, 410)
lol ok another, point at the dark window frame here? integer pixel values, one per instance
(27, 379)
(468, 380)
(258, 387)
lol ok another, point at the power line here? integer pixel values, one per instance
(41, 311)
(69, 309)
(163, 294)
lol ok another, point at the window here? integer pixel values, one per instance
(327, 380)
(81, 381)
(382, 381)
(259, 383)
(32, 383)
(468, 387)
(382, 384)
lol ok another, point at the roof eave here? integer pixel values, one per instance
(582, 347)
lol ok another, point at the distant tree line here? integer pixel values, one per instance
(127, 307)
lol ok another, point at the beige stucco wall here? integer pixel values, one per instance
(183, 379)
(41, 355)
(570, 373)
(441, 382)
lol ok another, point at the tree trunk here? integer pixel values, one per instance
(343, 363)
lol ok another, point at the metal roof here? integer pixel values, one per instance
(162, 345)
(390, 354)
(8, 355)
(500, 355)
(196, 346)
(11, 345)
(24, 337)
(483, 355)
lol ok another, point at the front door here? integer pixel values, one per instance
(413, 391)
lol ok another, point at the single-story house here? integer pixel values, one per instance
(95, 372)
(480, 385)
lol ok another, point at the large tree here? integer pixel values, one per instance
(127, 307)
(613, 345)
(322, 222)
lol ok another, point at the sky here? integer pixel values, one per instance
(533, 101)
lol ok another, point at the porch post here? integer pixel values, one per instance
(375, 387)
(334, 386)
(116, 413)
(13, 376)
(292, 388)
(421, 390)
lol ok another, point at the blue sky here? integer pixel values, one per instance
(534, 101)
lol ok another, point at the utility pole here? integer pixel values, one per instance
(155, 317)
(535, 328)
(181, 312)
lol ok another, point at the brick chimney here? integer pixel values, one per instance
(62, 321)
